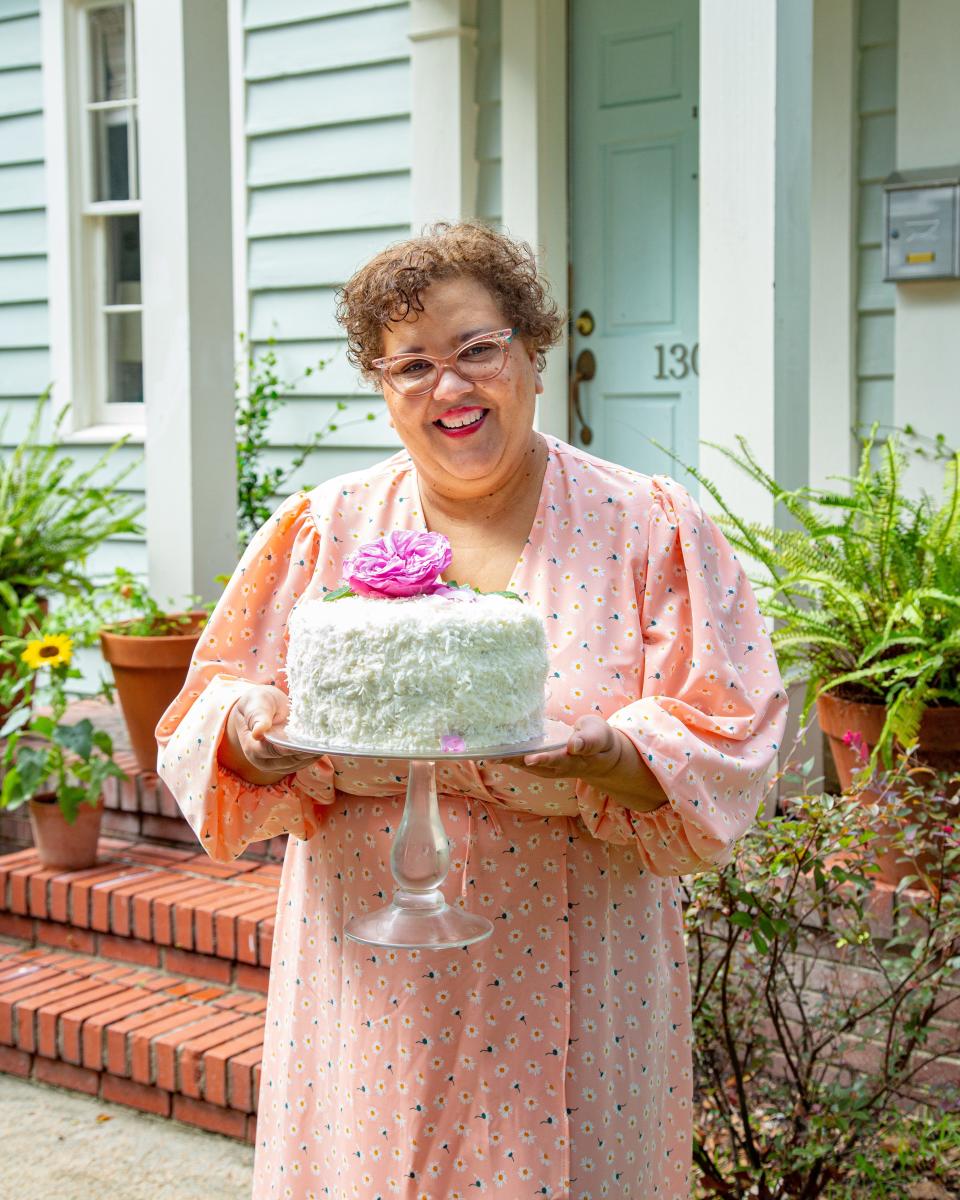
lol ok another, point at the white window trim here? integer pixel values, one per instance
(74, 254)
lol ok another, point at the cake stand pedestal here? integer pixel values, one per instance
(418, 917)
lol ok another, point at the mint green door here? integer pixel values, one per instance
(634, 202)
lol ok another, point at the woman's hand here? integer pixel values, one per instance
(603, 757)
(245, 749)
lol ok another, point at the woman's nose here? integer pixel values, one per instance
(450, 387)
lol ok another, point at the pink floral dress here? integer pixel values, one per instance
(553, 1059)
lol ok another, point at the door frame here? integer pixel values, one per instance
(535, 138)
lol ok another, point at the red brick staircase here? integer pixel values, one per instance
(143, 979)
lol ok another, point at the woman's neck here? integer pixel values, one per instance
(501, 507)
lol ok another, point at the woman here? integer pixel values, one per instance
(552, 1059)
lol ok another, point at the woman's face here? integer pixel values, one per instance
(467, 438)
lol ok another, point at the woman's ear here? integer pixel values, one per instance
(537, 374)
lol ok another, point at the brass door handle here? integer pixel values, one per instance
(584, 370)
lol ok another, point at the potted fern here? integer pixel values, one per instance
(52, 517)
(865, 591)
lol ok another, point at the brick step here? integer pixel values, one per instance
(156, 1041)
(153, 906)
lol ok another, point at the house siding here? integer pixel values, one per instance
(327, 139)
(877, 144)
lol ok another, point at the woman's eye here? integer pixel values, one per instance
(479, 350)
(416, 366)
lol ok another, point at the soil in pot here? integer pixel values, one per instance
(149, 672)
(938, 748)
(60, 844)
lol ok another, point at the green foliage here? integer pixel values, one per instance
(865, 585)
(124, 605)
(52, 517)
(812, 1021)
(265, 393)
(42, 752)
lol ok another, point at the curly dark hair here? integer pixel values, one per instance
(390, 286)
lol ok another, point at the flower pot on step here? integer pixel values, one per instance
(938, 748)
(149, 672)
(60, 844)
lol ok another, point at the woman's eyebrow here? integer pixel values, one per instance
(461, 338)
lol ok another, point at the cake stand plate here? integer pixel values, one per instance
(418, 917)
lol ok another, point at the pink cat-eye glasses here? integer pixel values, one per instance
(483, 357)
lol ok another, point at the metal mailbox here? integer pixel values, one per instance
(921, 221)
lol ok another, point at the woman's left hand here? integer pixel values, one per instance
(603, 757)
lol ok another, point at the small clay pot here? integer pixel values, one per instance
(149, 673)
(60, 844)
(938, 748)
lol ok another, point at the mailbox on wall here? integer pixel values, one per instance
(921, 221)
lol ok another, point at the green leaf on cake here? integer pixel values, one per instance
(508, 595)
(340, 593)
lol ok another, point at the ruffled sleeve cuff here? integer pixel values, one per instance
(225, 811)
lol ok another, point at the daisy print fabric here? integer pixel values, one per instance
(553, 1059)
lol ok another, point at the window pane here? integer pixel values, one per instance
(123, 260)
(112, 154)
(124, 359)
(108, 57)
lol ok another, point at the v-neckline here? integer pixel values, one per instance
(513, 584)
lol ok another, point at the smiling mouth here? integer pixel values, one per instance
(461, 422)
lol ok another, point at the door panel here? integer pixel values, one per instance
(634, 91)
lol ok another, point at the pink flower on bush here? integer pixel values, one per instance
(854, 738)
(403, 563)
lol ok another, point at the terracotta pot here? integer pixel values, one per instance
(60, 844)
(938, 748)
(149, 673)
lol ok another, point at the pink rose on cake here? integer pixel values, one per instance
(402, 563)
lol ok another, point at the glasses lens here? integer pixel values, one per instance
(412, 376)
(481, 360)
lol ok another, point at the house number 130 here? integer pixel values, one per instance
(684, 360)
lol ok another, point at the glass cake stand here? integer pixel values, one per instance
(418, 917)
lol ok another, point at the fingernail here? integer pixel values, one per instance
(576, 744)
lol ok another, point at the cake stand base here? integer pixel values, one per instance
(418, 920)
(418, 917)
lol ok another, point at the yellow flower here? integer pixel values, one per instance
(50, 651)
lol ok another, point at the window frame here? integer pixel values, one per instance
(78, 230)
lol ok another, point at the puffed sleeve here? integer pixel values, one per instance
(713, 707)
(242, 645)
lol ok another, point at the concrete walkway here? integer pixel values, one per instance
(58, 1146)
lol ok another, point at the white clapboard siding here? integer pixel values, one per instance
(23, 187)
(22, 91)
(877, 147)
(295, 48)
(489, 192)
(327, 126)
(360, 93)
(330, 152)
(317, 259)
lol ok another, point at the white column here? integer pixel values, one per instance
(534, 148)
(444, 119)
(833, 240)
(926, 345)
(738, 82)
(188, 294)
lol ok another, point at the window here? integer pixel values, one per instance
(93, 212)
(110, 181)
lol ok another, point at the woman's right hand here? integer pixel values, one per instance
(244, 748)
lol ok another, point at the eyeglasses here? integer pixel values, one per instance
(483, 357)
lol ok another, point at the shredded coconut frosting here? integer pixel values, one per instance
(404, 674)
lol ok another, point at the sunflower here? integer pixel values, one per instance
(51, 651)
